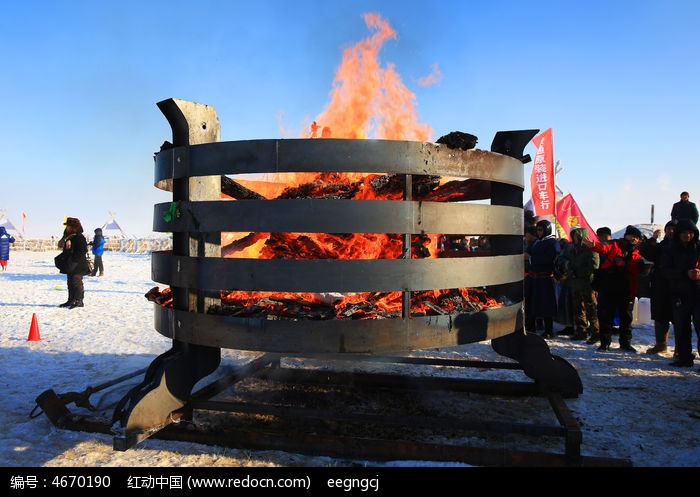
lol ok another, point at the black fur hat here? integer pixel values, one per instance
(634, 231)
(686, 225)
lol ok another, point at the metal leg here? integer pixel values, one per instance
(552, 372)
(166, 387)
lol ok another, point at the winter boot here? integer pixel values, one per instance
(76, 303)
(594, 338)
(657, 348)
(567, 331)
(579, 334)
(683, 363)
(627, 347)
(71, 297)
(605, 341)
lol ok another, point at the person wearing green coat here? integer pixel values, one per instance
(583, 263)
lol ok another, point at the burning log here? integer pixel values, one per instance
(278, 308)
(392, 186)
(366, 305)
(242, 243)
(332, 186)
(458, 139)
(459, 191)
(164, 298)
(387, 187)
(235, 190)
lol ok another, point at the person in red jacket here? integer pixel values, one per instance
(618, 285)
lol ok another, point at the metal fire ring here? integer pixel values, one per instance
(502, 272)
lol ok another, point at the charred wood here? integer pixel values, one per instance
(458, 139)
(392, 186)
(459, 191)
(326, 185)
(242, 243)
(235, 190)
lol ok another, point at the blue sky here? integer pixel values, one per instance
(617, 81)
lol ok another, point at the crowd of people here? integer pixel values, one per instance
(590, 286)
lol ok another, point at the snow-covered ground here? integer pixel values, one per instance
(634, 406)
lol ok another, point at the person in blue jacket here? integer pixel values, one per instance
(98, 248)
(5, 240)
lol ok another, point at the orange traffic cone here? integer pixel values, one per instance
(34, 330)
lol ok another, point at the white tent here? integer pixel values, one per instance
(112, 228)
(647, 230)
(9, 226)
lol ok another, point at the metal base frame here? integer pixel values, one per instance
(316, 430)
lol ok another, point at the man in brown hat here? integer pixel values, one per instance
(75, 247)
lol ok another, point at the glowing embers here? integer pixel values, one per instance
(365, 305)
(346, 246)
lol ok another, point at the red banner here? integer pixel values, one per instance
(569, 215)
(542, 177)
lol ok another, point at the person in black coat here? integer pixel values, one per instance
(681, 266)
(542, 299)
(660, 293)
(684, 209)
(75, 246)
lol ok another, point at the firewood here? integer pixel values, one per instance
(235, 190)
(459, 191)
(458, 139)
(242, 243)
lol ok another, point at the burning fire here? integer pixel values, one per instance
(367, 100)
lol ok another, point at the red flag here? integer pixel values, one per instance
(569, 215)
(542, 177)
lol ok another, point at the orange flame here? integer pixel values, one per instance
(367, 101)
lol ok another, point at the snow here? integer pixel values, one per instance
(633, 406)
